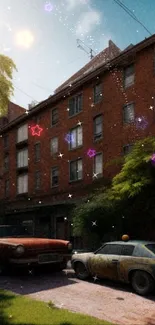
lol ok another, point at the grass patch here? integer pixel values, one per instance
(19, 310)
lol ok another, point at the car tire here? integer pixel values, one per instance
(142, 283)
(81, 271)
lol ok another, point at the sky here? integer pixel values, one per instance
(41, 37)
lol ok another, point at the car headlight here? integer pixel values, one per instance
(70, 246)
(19, 250)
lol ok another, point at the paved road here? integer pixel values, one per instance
(104, 300)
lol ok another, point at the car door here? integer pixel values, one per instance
(105, 262)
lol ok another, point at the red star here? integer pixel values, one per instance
(36, 130)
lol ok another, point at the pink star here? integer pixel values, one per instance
(36, 130)
(91, 153)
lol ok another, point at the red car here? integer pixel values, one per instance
(23, 251)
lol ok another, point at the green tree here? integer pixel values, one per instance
(7, 66)
(137, 172)
(123, 198)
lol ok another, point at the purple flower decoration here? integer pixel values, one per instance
(153, 159)
(141, 122)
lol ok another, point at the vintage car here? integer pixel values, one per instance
(129, 262)
(30, 253)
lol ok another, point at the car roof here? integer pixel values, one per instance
(134, 242)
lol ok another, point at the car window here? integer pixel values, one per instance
(127, 250)
(151, 247)
(112, 249)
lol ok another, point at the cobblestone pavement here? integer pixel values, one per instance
(101, 299)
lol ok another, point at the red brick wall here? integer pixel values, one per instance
(115, 133)
(14, 111)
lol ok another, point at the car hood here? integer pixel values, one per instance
(82, 256)
(36, 242)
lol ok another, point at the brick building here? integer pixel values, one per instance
(47, 171)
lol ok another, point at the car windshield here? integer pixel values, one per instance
(13, 231)
(151, 247)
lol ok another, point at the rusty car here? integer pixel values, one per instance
(129, 262)
(22, 251)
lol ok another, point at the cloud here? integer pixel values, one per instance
(72, 4)
(88, 22)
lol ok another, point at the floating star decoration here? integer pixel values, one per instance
(60, 155)
(70, 196)
(94, 223)
(141, 122)
(36, 130)
(91, 153)
(95, 278)
(48, 7)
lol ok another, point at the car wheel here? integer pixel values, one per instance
(142, 283)
(81, 271)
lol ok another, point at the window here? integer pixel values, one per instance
(98, 127)
(6, 162)
(76, 137)
(22, 133)
(76, 170)
(22, 158)
(37, 119)
(54, 116)
(98, 164)
(110, 249)
(6, 141)
(151, 247)
(75, 105)
(7, 183)
(37, 180)
(54, 145)
(22, 184)
(128, 113)
(97, 93)
(116, 249)
(129, 76)
(37, 151)
(54, 176)
(127, 250)
(127, 149)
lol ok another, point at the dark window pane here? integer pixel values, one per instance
(6, 141)
(111, 249)
(129, 114)
(98, 127)
(97, 93)
(6, 162)
(54, 176)
(37, 152)
(37, 180)
(127, 250)
(7, 183)
(55, 116)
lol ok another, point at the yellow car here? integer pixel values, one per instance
(129, 262)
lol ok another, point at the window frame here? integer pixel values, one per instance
(125, 121)
(100, 135)
(97, 97)
(7, 189)
(57, 113)
(21, 151)
(75, 97)
(18, 130)
(70, 132)
(94, 171)
(125, 76)
(18, 177)
(75, 161)
(37, 172)
(6, 164)
(54, 153)
(37, 145)
(52, 169)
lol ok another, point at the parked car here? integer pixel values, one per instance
(129, 262)
(30, 252)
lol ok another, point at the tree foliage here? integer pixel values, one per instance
(7, 66)
(129, 187)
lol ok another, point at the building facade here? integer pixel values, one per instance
(53, 157)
